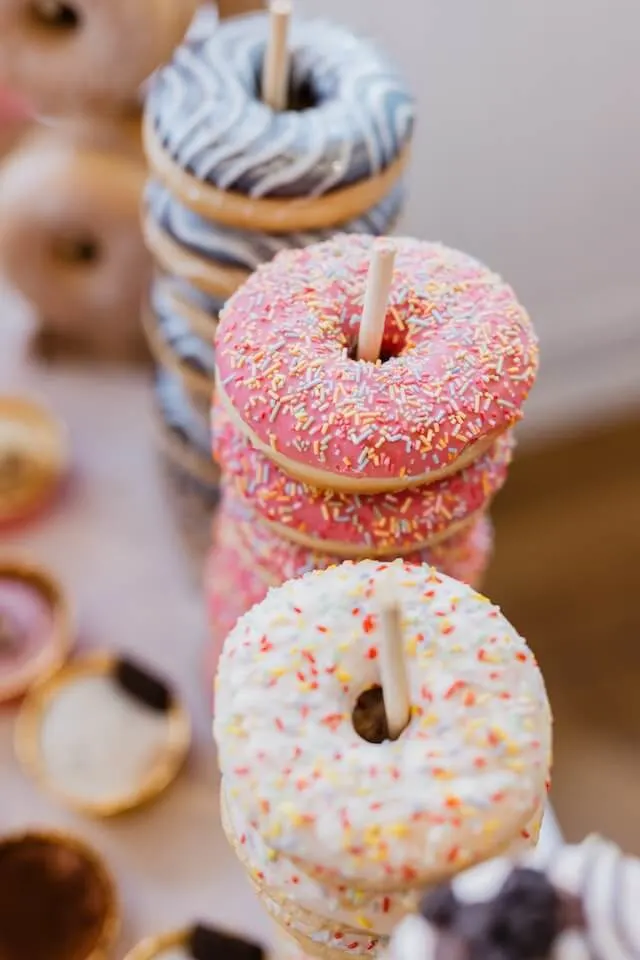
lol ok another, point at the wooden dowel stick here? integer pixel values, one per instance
(376, 297)
(275, 73)
(393, 668)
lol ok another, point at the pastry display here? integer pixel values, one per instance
(339, 826)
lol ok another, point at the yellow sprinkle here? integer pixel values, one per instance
(398, 829)
(271, 854)
(490, 827)
(441, 774)
(411, 647)
(363, 922)
(429, 720)
(372, 833)
(343, 676)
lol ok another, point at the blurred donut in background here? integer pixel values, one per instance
(71, 243)
(67, 56)
(15, 118)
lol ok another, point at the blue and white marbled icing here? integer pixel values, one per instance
(176, 333)
(206, 110)
(248, 249)
(183, 420)
(184, 290)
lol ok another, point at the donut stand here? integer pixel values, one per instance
(70, 242)
(381, 728)
(369, 459)
(235, 183)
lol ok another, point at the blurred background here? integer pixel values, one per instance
(526, 155)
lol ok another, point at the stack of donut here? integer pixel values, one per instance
(234, 181)
(69, 196)
(339, 826)
(326, 457)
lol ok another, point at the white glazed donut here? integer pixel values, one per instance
(355, 136)
(461, 782)
(343, 919)
(575, 903)
(68, 55)
(71, 241)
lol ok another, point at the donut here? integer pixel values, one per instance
(334, 154)
(350, 525)
(575, 903)
(185, 428)
(458, 786)
(243, 250)
(70, 241)
(175, 345)
(459, 357)
(325, 920)
(247, 559)
(68, 56)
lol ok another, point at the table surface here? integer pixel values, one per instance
(113, 542)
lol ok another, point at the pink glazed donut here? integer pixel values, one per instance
(375, 525)
(248, 559)
(458, 358)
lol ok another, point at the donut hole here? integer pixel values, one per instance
(76, 251)
(395, 337)
(53, 15)
(301, 95)
(385, 353)
(369, 717)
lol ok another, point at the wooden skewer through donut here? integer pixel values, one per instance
(376, 298)
(275, 74)
(393, 669)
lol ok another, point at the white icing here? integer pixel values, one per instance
(571, 945)
(482, 883)
(208, 114)
(413, 939)
(288, 679)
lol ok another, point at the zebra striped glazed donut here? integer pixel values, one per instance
(174, 343)
(66, 55)
(246, 250)
(350, 125)
(187, 422)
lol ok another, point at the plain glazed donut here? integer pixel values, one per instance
(71, 244)
(458, 786)
(462, 357)
(336, 153)
(246, 250)
(347, 525)
(70, 55)
(575, 903)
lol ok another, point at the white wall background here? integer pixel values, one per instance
(527, 155)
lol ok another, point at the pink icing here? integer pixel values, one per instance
(248, 559)
(384, 523)
(463, 357)
(26, 630)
